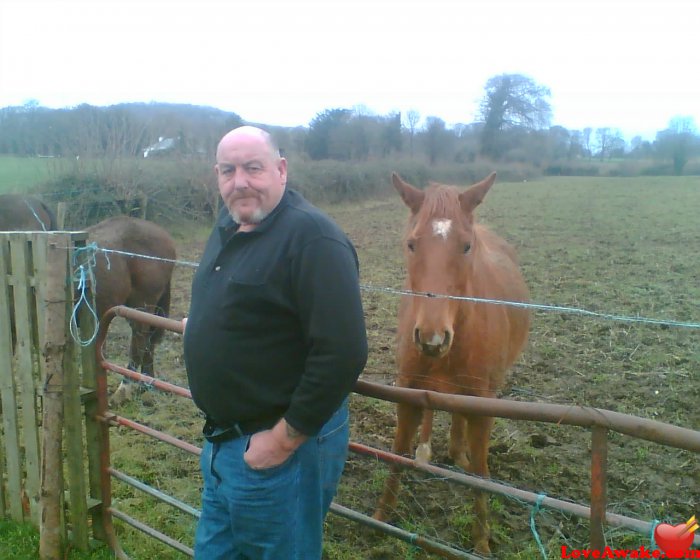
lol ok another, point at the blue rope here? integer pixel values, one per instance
(654, 523)
(82, 274)
(533, 512)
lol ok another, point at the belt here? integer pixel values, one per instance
(216, 434)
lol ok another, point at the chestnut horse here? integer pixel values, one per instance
(452, 345)
(20, 212)
(133, 281)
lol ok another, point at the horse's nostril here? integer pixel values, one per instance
(447, 339)
(416, 336)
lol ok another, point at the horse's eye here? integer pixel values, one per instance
(467, 248)
(411, 246)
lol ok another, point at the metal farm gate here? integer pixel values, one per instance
(599, 421)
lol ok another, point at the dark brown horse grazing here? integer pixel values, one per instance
(449, 345)
(133, 281)
(20, 212)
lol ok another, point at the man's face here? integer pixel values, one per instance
(251, 178)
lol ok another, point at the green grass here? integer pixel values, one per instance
(25, 174)
(20, 541)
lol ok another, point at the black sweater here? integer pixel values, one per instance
(276, 326)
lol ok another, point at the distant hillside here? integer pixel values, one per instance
(126, 129)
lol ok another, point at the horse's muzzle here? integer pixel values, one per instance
(436, 347)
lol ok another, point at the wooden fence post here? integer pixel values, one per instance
(73, 421)
(53, 292)
(61, 216)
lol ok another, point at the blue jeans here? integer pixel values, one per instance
(275, 513)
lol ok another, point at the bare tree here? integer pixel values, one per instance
(512, 101)
(412, 120)
(438, 139)
(602, 136)
(586, 141)
(678, 142)
(609, 142)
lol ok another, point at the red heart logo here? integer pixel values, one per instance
(674, 540)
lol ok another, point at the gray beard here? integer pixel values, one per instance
(258, 216)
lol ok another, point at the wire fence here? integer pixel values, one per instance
(93, 247)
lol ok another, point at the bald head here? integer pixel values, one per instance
(250, 134)
(251, 175)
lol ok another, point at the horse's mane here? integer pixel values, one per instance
(441, 201)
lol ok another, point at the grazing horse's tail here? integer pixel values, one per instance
(53, 222)
(162, 310)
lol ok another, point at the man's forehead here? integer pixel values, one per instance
(242, 153)
(241, 158)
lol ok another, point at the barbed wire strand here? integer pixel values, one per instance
(520, 304)
(539, 307)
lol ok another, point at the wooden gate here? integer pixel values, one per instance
(49, 441)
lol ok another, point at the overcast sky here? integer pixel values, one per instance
(631, 65)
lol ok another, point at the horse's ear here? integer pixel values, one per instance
(411, 196)
(474, 195)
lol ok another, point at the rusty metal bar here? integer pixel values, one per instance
(115, 420)
(599, 471)
(147, 379)
(131, 481)
(141, 317)
(471, 481)
(105, 480)
(650, 430)
(427, 544)
(151, 532)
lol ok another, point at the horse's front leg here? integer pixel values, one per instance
(424, 451)
(408, 418)
(140, 357)
(458, 441)
(478, 438)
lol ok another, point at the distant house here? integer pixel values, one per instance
(163, 146)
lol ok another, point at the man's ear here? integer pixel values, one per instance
(282, 168)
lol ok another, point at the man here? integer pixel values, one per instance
(274, 342)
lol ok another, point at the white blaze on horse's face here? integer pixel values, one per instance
(442, 228)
